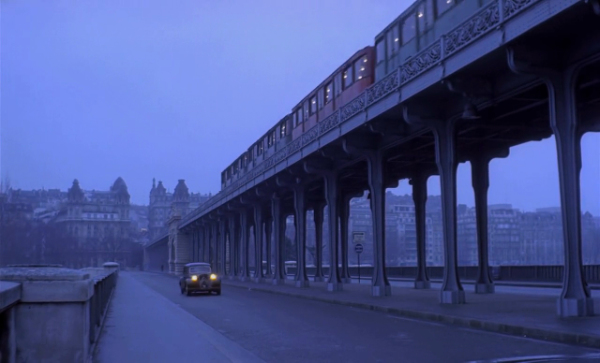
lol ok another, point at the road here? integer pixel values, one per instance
(286, 329)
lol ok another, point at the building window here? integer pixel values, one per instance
(313, 105)
(393, 41)
(380, 49)
(282, 130)
(444, 5)
(409, 29)
(337, 84)
(348, 77)
(328, 92)
(360, 68)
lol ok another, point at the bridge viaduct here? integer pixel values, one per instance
(516, 71)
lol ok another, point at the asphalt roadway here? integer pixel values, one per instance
(278, 328)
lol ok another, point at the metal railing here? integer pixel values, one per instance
(105, 281)
(540, 274)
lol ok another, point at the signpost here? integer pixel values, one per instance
(358, 237)
(358, 248)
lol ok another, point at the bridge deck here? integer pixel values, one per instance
(142, 325)
(521, 311)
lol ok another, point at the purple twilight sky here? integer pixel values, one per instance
(148, 89)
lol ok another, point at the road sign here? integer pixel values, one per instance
(358, 248)
(358, 237)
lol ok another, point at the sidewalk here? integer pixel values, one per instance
(532, 316)
(143, 326)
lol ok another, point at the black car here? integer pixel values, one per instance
(198, 277)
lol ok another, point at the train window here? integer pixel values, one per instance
(337, 84)
(250, 154)
(393, 39)
(306, 111)
(348, 77)
(328, 92)
(320, 98)
(429, 12)
(245, 161)
(313, 105)
(444, 5)
(270, 139)
(409, 28)
(380, 48)
(259, 148)
(274, 135)
(421, 18)
(360, 68)
(282, 130)
(299, 117)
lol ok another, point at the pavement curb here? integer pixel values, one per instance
(583, 340)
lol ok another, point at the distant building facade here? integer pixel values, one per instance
(96, 215)
(161, 201)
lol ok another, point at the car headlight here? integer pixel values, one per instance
(213, 276)
(194, 278)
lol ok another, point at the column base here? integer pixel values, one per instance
(567, 308)
(278, 281)
(258, 280)
(422, 285)
(346, 280)
(244, 278)
(302, 284)
(335, 286)
(318, 279)
(381, 290)
(231, 277)
(488, 288)
(452, 297)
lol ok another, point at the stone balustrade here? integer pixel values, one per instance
(52, 314)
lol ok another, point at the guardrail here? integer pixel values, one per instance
(42, 303)
(548, 273)
(105, 281)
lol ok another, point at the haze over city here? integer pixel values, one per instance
(196, 180)
(142, 90)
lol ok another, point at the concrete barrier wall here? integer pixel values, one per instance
(51, 313)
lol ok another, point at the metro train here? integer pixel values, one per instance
(414, 30)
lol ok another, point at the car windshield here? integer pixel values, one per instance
(200, 269)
